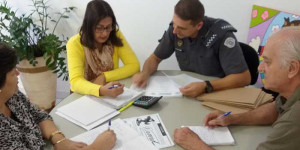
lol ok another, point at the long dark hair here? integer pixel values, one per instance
(97, 10)
(8, 61)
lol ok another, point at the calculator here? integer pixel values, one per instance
(146, 101)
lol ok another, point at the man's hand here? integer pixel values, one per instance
(113, 92)
(140, 79)
(211, 120)
(193, 89)
(188, 140)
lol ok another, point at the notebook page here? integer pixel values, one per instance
(123, 99)
(216, 136)
(85, 110)
(127, 138)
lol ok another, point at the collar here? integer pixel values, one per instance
(283, 104)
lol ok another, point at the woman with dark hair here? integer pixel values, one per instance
(94, 53)
(22, 125)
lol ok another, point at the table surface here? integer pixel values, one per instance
(174, 113)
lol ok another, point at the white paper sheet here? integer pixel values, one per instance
(87, 112)
(216, 136)
(184, 79)
(162, 86)
(127, 138)
(123, 99)
(151, 127)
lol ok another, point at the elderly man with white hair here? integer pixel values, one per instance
(281, 65)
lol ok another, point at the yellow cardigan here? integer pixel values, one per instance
(75, 57)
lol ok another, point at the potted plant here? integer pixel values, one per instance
(38, 49)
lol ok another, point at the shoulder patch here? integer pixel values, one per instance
(229, 42)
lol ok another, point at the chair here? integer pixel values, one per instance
(252, 61)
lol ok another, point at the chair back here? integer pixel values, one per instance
(252, 61)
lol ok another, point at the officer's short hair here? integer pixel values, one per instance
(190, 10)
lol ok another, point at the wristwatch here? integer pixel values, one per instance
(209, 88)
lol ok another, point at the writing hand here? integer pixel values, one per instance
(106, 90)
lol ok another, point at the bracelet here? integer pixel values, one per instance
(54, 133)
(60, 141)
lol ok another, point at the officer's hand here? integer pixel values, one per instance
(140, 79)
(211, 120)
(193, 89)
(106, 90)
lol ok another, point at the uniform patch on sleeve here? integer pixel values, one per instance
(229, 42)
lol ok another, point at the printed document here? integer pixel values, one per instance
(216, 136)
(184, 79)
(151, 127)
(127, 138)
(161, 85)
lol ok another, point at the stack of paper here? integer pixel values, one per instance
(216, 136)
(237, 100)
(127, 138)
(87, 112)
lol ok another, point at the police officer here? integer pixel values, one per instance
(203, 45)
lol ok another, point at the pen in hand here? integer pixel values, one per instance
(109, 124)
(114, 86)
(224, 115)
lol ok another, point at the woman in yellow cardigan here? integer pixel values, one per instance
(93, 54)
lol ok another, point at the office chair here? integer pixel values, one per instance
(252, 61)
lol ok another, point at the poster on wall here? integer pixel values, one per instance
(264, 22)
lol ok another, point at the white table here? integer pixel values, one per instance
(174, 113)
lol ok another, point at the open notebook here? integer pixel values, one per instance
(216, 136)
(87, 112)
(127, 137)
(122, 100)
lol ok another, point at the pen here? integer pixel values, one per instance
(109, 124)
(125, 107)
(114, 86)
(224, 115)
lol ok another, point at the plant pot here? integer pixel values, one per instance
(39, 83)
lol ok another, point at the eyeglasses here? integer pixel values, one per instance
(101, 29)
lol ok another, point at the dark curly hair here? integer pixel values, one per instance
(8, 61)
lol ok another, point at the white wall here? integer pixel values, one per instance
(144, 21)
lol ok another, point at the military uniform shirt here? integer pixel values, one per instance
(286, 129)
(215, 51)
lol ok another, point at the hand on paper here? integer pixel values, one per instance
(106, 90)
(105, 141)
(101, 80)
(140, 79)
(193, 89)
(188, 140)
(69, 145)
(211, 120)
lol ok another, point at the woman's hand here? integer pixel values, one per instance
(107, 89)
(105, 141)
(69, 145)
